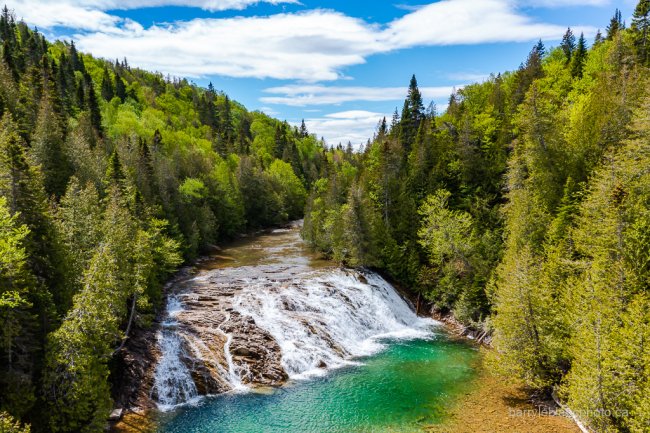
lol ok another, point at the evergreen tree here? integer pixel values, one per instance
(226, 126)
(303, 130)
(114, 172)
(640, 28)
(108, 92)
(93, 107)
(598, 39)
(568, 44)
(615, 25)
(48, 148)
(412, 115)
(120, 88)
(17, 330)
(579, 57)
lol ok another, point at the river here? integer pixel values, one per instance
(350, 353)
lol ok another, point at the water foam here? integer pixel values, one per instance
(328, 319)
(173, 382)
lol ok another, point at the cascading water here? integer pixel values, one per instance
(233, 371)
(173, 382)
(327, 318)
(266, 309)
(276, 314)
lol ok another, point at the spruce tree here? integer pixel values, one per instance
(114, 172)
(579, 57)
(120, 88)
(48, 148)
(615, 25)
(304, 133)
(93, 106)
(640, 29)
(108, 92)
(412, 115)
(598, 39)
(568, 44)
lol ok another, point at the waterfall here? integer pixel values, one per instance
(233, 374)
(321, 319)
(327, 319)
(173, 382)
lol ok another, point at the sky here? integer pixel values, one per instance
(339, 65)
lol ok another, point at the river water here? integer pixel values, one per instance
(357, 357)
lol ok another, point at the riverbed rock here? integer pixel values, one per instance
(133, 367)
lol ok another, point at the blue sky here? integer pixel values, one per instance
(340, 65)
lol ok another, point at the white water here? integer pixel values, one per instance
(172, 380)
(330, 318)
(321, 321)
(233, 376)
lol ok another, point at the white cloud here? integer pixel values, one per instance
(453, 22)
(298, 95)
(564, 3)
(91, 15)
(46, 14)
(311, 46)
(284, 46)
(353, 126)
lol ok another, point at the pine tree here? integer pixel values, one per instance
(640, 28)
(304, 133)
(568, 44)
(120, 88)
(598, 39)
(48, 148)
(615, 25)
(108, 92)
(579, 57)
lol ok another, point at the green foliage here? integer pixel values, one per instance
(533, 220)
(110, 178)
(16, 289)
(9, 425)
(290, 188)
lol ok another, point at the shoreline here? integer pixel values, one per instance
(490, 404)
(497, 405)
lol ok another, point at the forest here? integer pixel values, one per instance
(111, 177)
(524, 211)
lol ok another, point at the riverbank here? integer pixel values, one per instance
(498, 404)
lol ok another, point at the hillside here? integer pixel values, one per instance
(110, 178)
(523, 211)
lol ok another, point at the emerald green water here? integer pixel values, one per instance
(405, 387)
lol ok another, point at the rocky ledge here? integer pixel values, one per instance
(205, 325)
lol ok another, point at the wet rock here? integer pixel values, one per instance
(132, 372)
(244, 351)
